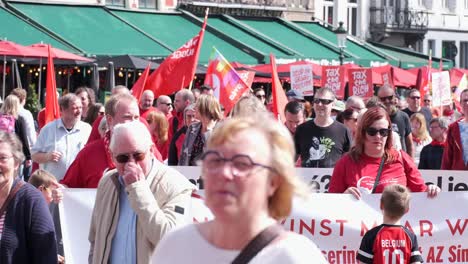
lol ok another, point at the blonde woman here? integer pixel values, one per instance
(420, 135)
(13, 123)
(159, 129)
(250, 180)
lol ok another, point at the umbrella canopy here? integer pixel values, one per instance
(126, 61)
(110, 77)
(95, 78)
(8, 48)
(58, 53)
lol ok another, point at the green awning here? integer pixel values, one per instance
(92, 29)
(17, 30)
(411, 59)
(296, 41)
(174, 30)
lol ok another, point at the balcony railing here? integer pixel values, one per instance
(398, 19)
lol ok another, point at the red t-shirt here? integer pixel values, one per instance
(348, 173)
(95, 130)
(389, 244)
(144, 113)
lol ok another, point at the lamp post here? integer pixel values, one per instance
(341, 35)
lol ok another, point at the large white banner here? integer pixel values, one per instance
(441, 91)
(302, 79)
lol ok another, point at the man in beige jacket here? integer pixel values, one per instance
(138, 202)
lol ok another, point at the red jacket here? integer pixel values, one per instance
(453, 152)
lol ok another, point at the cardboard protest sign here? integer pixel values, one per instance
(333, 78)
(360, 82)
(302, 79)
(441, 91)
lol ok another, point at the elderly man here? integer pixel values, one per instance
(356, 103)
(414, 106)
(138, 202)
(400, 120)
(146, 103)
(294, 115)
(183, 98)
(456, 150)
(60, 140)
(322, 141)
(164, 104)
(431, 154)
(84, 173)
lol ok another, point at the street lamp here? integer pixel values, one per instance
(341, 35)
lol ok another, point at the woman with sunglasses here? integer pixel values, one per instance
(249, 178)
(373, 163)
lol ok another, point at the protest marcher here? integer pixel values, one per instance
(375, 101)
(26, 114)
(60, 140)
(182, 99)
(196, 93)
(420, 135)
(399, 120)
(164, 105)
(427, 101)
(94, 111)
(138, 202)
(26, 230)
(247, 105)
(373, 163)
(208, 111)
(450, 113)
(52, 192)
(12, 122)
(308, 110)
(206, 89)
(431, 154)
(295, 95)
(294, 115)
(120, 108)
(456, 150)
(177, 142)
(159, 128)
(356, 103)
(250, 180)
(322, 141)
(261, 95)
(86, 100)
(337, 109)
(349, 118)
(414, 106)
(394, 203)
(146, 103)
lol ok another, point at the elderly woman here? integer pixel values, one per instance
(373, 163)
(249, 176)
(26, 228)
(177, 142)
(208, 111)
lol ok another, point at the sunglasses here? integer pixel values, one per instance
(168, 104)
(373, 131)
(427, 101)
(260, 96)
(415, 97)
(323, 101)
(386, 98)
(124, 158)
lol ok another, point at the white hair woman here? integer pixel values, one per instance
(249, 178)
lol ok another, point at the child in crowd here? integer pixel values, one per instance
(47, 184)
(391, 242)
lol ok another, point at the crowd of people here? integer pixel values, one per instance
(123, 148)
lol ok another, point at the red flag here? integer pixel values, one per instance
(279, 97)
(52, 110)
(333, 78)
(140, 84)
(360, 82)
(177, 70)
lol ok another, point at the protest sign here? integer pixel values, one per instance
(360, 82)
(333, 78)
(441, 91)
(302, 79)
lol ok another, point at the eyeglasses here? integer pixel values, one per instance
(260, 96)
(323, 101)
(415, 97)
(168, 104)
(386, 98)
(124, 158)
(371, 131)
(241, 165)
(101, 113)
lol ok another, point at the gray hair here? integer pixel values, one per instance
(66, 100)
(324, 90)
(138, 131)
(441, 121)
(187, 95)
(15, 144)
(354, 99)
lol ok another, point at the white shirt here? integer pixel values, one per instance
(187, 245)
(54, 136)
(30, 128)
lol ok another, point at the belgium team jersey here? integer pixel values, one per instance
(389, 244)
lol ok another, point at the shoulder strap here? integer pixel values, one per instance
(379, 173)
(258, 243)
(11, 195)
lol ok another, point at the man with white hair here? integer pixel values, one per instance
(164, 104)
(146, 103)
(356, 103)
(138, 202)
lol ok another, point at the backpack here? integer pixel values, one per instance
(7, 123)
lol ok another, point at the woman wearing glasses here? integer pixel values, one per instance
(373, 163)
(249, 179)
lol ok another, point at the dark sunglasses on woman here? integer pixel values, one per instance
(373, 131)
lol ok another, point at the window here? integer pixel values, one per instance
(449, 50)
(444, 3)
(466, 4)
(147, 4)
(328, 12)
(115, 2)
(431, 46)
(352, 19)
(464, 55)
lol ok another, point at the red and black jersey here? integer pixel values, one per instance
(389, 244)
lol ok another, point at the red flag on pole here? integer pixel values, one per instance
(140, 84)
(177, 70)
(52, 110)
(279, 97)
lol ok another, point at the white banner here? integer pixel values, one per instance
(441, 91)
(302, 79)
